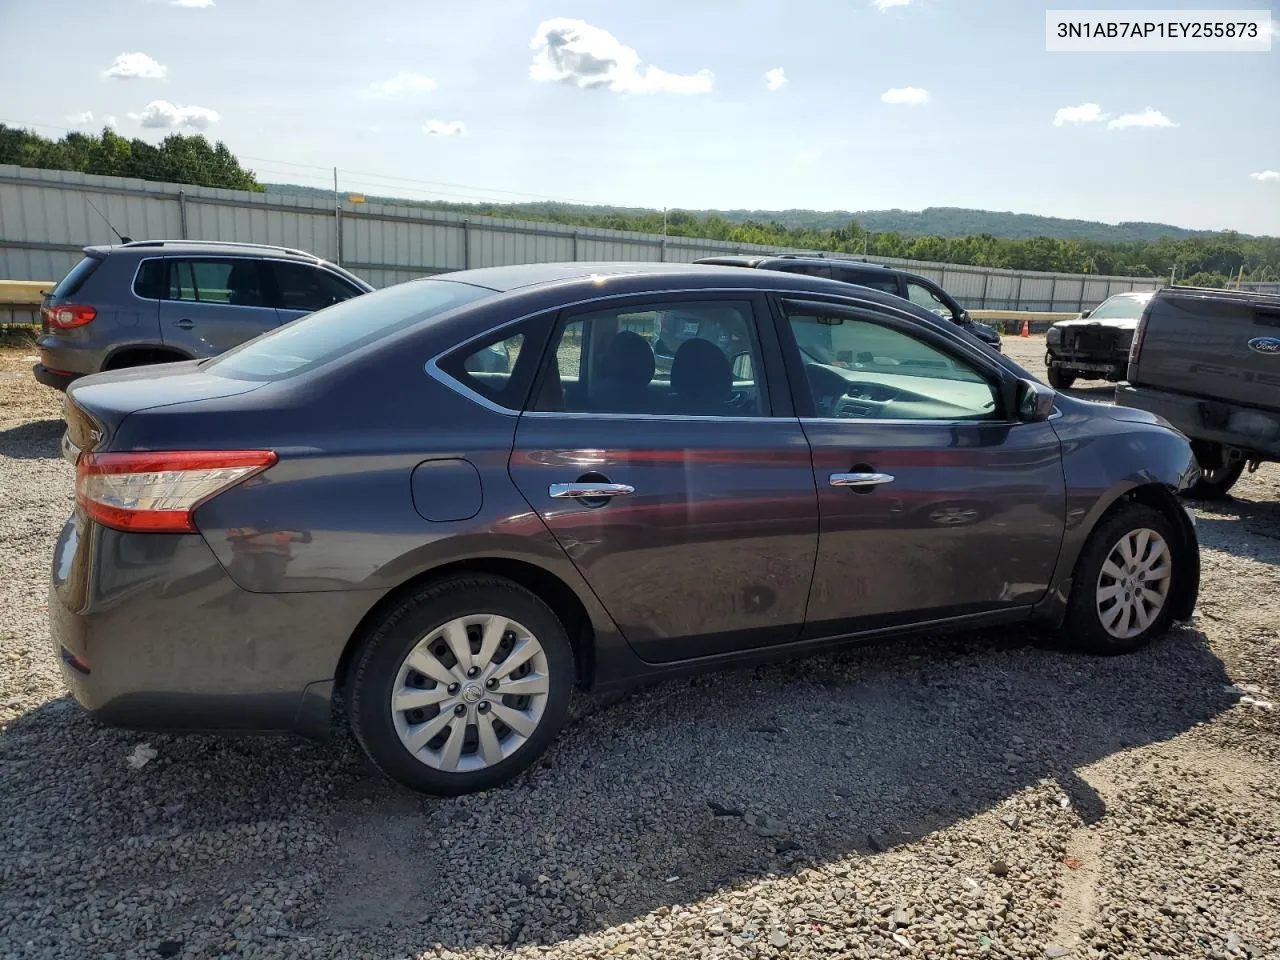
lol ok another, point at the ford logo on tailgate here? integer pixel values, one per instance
(1265, 345)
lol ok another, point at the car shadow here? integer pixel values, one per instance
(1225, 522)
(34, 440)
(654, 800)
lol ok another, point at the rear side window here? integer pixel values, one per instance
(500, 369)
(302, 287)
(73, 281)
(808, 269)
(235, 282)
(149, 284)
(319, 338)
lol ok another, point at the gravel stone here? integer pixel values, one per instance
(1146, 793)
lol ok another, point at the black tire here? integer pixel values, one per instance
(1217, 474)
(1082, 628)
(397, 632)
(1059, 380)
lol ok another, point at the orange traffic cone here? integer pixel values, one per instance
(1026, 329)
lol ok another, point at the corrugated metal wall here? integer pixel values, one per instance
(46, 218)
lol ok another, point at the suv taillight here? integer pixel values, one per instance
(69, 316)
(1136, 346)
(158, 492)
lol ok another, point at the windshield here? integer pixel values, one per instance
(1120, 308)
(336, 331)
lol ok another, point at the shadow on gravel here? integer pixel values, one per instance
(1234, 520)
(658, 799)
(36, 440)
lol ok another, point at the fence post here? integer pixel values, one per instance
(1053, 293)
(662, 250)
(575, 246)
(182, 213)
(466, 244)
(986, 281)
(1017, 297)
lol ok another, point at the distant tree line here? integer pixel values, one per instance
(1201, 259)
(178, 158)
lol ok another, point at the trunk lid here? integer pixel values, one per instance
(97, 405)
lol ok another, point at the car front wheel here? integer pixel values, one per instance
(1121, 595)
(1059, 380)
(461, 686)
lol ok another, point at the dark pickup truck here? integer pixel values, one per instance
(1208, 361)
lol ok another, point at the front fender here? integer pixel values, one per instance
(1109, 460)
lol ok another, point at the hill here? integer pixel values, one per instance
(931, 221)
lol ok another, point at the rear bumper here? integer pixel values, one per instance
(1252, 431)
(152, 633)
(57, 379)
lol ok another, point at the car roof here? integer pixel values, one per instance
(640, 276)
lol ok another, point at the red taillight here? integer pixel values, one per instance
(69, 316)
(159, 491)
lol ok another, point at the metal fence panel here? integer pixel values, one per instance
(45, 220)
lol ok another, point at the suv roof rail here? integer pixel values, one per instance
(220, 243)
(1219, 291)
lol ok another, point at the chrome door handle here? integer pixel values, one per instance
(860, 480)
(587, 491)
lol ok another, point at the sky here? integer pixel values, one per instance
(826, 104)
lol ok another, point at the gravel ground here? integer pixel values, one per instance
(955, 797)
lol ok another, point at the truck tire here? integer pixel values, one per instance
(1059, 380)
(1218, 473)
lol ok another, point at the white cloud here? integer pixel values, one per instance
(80, 119)
(135, 66)
(1147, 118)
(163, 115)
(883, 5)
(192, 3)
(1085, 113)
(442, 128)
(808, 156)
(573, 52)
(912, 96)
(402, 82)
(1266, 175)
(109, 121)
(775, 78)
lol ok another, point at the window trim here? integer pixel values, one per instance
(774, 400)
(1000, 380)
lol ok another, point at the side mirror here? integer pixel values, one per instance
(1085, 314)
(1035, 401)
(742, 367)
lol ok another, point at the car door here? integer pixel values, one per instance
(213, 304)
(685, 498)
(933, 501)
(299, 288)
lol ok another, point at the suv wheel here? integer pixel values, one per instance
(1120, 594)
(1218, 472)
(1059, 380)
(461, 685)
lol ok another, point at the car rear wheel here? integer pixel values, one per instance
(1218, 473)
(1121, 594)
(1059, 380)
(462, 685)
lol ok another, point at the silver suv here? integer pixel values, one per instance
(160, 301)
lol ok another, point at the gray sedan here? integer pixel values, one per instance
(457, 499)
